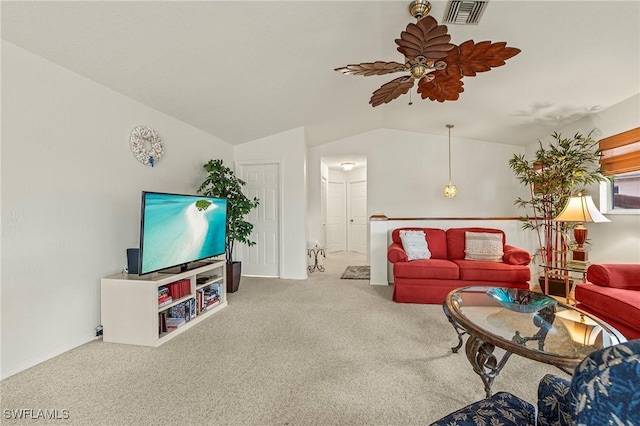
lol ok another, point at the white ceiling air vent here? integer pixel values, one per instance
(464, 12)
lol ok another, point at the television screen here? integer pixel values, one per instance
(177, 229)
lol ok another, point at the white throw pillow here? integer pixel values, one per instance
(483, 246)
(415, 244)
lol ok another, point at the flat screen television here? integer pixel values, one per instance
(178, 229)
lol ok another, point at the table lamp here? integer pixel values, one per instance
(580, 209)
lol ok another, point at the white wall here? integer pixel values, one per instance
(324, 173)
(619, 240)
(288, 149)
(406, 173)
(71, 199)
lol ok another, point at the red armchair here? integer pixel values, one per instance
(612, 293)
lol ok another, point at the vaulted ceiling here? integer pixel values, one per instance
(243, 70)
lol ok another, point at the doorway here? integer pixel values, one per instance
(344, 217)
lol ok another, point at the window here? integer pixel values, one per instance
(621, 162)
(625, 190)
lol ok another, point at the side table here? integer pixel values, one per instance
(564, 272)
(313, 254)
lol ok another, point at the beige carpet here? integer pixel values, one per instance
(321, 351)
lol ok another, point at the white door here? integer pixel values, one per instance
(263, 258)
(323, 211)
(358, 216)
(336, 217)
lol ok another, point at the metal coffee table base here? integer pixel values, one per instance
(479, 353)
(484, 362)
(528, 331)
(460, 331)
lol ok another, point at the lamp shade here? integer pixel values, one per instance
(581, 209)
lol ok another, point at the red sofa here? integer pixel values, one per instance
(612, 293)
(430, 280)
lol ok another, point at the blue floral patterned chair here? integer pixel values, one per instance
(604, 390)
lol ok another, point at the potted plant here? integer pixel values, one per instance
(561, 170)
(221, 182)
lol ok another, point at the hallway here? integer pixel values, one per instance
(336, 262)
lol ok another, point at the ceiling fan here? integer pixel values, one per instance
(429, 58)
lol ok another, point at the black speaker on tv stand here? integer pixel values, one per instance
(133, 255)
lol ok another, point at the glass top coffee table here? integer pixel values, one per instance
(523, 323)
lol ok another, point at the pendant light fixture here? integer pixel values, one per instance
(450, 190)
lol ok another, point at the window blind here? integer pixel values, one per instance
(621, 152)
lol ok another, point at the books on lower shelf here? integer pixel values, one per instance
(186, 310)
(173, 323)
(208, 297)
(177, 315)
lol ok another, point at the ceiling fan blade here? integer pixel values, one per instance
(391, 90)
(471, 58)
(426, 38)
(443, 87)
(372, 68)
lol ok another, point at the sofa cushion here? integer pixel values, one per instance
(477, 270)
(436, 240)
(455, 240)
(516, 256)
(483, 246)
(415, 244)
(426, 268)
(618, 275)
(622, 305)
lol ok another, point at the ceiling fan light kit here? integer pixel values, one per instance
(432, 60)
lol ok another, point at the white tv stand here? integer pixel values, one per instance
(129, 303)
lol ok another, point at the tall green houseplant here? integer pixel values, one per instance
(562, 169)
(221, 182)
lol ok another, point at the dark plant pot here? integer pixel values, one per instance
(556, 286)
(233, 276)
